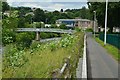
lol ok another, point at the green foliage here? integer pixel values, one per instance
(35, 45)
(48, 35)
(63, 26)
(51, 17)
(28, 18)
(113, 10)
(110, 49)
(53, 46)
(53, 26)
(27, 25)
(78, 29)
(21, 22)
(8, 36)
(45, 58)
(14, 58)
(89, 30)
(11, 22)
(24, 18)
(44, 35)
(39, 15)
(38, 24)
(67, 41)
(24, 40)
(82, 13)
(5, 6)
(8, 28)
(24, 9)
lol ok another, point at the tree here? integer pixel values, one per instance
(63, 26)
(24, 40)
(5, 6)
(53, 26)
(39, 15)
(25, 9)
(113, 10)
(82, 13)
(8, 28)
(61, 10)
(28, 18)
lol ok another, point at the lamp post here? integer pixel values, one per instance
(105, 22)
(94, 21)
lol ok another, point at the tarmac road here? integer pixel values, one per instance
(100, 63)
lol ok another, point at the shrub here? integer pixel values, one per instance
(44, 35)
(53, 26)
(89, 30)
(14, 57)
(53, 46)
(8, 36)
(48, 35)
(78, 29)
(23, 40)
(67, 41)
(63, 26)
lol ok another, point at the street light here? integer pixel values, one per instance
(105, 22)
(94, 21)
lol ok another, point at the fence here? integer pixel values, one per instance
(113, 39)
(64, 71)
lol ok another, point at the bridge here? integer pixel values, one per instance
(38, 30)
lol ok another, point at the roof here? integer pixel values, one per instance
(73, 20)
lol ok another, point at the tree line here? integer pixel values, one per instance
(46, 16)
(113, 13)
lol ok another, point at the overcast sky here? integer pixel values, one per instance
(49, 5)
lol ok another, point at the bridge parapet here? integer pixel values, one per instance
(44, 30)
(38, 30)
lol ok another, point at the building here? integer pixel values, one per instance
(47, 25)
(7, 13)
(80, 23)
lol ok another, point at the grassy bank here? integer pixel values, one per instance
(111, 49)
(42, 58)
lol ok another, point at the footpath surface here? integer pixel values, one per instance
(100, 63)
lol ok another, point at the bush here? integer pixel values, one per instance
(24, 40)
(34, 46)
(89, 30)
(48, 35)
(13, 56)
(53, 46)
(63, 26)
(44, 35)
(66, 41)
(8, 36)
(53, 26)
(78, 29)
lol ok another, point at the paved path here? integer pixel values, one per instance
(100, 63)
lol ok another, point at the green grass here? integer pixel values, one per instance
(46, 58)
(110, 49)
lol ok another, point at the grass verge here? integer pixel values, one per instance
(110, 49)
(42, 58)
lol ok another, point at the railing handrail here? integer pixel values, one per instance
(45, 30)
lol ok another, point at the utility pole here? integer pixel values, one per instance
(105, 22)
(94, 22)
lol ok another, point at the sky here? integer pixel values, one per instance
(49, 5)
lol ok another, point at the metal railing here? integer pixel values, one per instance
(44, 30)
(64, 72)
